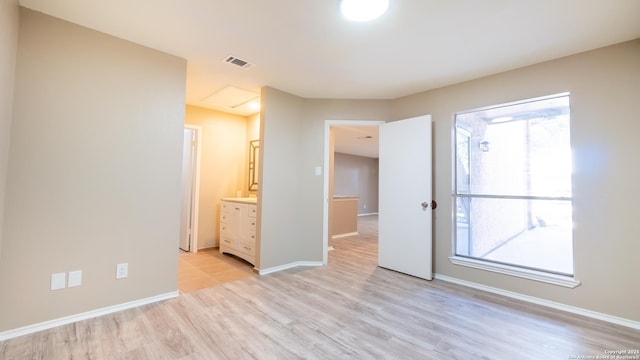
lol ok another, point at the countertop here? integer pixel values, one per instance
(345, 197)
(244, 200)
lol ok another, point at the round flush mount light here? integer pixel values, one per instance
(254, 105)
(363, 10)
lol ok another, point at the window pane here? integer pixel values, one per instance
(515, 150)
(529, 233)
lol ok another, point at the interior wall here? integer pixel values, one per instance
(94, 171)
(279, 226)
(222, 166)
(9, 19)
(357, 176)
(253, 127)
(604, 86)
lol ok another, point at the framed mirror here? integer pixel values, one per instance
(254, 148)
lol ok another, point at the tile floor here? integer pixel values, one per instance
(208, 268)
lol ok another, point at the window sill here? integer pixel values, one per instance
(541, 276)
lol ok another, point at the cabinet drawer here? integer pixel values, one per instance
(225, 216)
(253, 210)
(248, 249)
(231, 207)
(226, 231)
(251, 238)
(227, 242)
(251, 224)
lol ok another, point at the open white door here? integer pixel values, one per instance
(188, 189)
(404, 208)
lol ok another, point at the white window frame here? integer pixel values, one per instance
(501, 268)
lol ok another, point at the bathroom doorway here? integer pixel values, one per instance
(190, 188)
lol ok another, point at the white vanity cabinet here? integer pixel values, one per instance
(238, 228)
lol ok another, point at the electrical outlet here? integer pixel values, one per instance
(75, 278)
(58, 281)
(122, 270)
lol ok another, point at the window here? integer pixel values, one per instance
(512, 187)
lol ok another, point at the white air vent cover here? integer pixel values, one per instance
(238, 62)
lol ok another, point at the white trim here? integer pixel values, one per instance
(195, 205)
(325, 206)
(517, 102)
(551, 304)
(29, 329)
(289, 266)
(337, 236)
(541, 276)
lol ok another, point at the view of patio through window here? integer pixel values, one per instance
(513, 168)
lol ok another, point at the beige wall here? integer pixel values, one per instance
(222, 166)
(605, 88)
(279, 227)
(94, 171)
(9, 16)
(358, 176)
(253, 127)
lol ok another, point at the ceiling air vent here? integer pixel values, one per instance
(238, 62)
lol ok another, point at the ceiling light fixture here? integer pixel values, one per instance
(363, 10)
(254, 105)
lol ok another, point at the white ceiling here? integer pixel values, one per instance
(356, 140)
(306, 48)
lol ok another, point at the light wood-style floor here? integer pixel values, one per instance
(350, 309)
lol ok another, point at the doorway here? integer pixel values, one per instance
(329, 174)
(405, 184)
(190, 188)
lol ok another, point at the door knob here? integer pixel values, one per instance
(425, 205)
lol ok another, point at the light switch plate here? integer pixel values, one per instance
(75, 278)
(58, 281)
(318, 170)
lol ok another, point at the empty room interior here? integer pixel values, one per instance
(296, 179)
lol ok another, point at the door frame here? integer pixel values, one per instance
(328, 169)
(195, 204)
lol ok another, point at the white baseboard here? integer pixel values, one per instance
(344, 235)
(552, 304)
(289, 266)
(29, 329)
